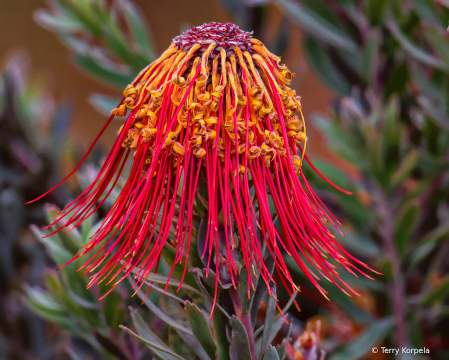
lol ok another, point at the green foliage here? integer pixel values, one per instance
(389, 65)
(392, 125)
(71, 304)
(109, 40)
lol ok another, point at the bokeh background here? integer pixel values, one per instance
(373, 77)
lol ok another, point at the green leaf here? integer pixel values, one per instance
(70, 238)
(239, 349)
(406, 223)
(219, 321)
(59, 254)
(271, 354)
(359, 243)
(146, 333)
(113, 314)
(437, 295)
(56, 22)
(103, 103)
(158, 312)
(333, 173)
(340, 141)
(286, 340)
(316, 26)
(161, 279)
(45, 300)
(269, 317)
(370, 57)
(179, 346)
(200, 328)
(59, 319)
(152, 345)
(324, 67)
(360, 346)
(197, 273)
(138, 29)
(45, 305)
(413, 49)
(427, 245)
(428, 11)
(245, 294)
(405, 168)
(261, 290)
(397, 80)
(278, 322)
(278, 317)
(439, 42)
(209, 279)
(432, 164)
(113, 75)
(375, 10)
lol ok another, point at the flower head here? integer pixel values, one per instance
(216, 105)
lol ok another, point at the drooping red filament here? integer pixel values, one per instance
(214, 109)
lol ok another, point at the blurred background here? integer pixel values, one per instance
(373, 77)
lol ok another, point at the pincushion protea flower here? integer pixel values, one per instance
(216, 103)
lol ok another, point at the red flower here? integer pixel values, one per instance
(216, 103)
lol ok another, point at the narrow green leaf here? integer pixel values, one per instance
(113, 314)
(316, 26)
(413, 49)
(427, 245)
(375, 11)
(103, 103)
(359, 243)
(439, 41)
(278, 317)
(200, 328)
(179, 346)
(139, 30)
(197, 273)
(438, 294)
(324, 67)
(370, 57)
(245, 296)
(428, 11)
(209, 279)
(219, 321)
(161, 279)
(59, 254)
(146, 333)
(261, 290)
(71, 240)
(151, 344)
(158, 312)
(286, 340)
(271, 354)
(269, 317)
(432, 164)
(406, 166)
(61, 320)
(239, 348)
(56, 22)
(340, 141)
(112, 75)
(278, 322)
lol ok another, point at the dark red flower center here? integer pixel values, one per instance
(226, 36)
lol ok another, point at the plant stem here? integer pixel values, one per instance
(397, 285)
(245, 319)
